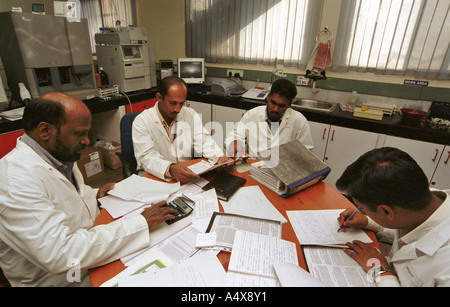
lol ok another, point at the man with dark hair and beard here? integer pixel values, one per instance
(46, 210)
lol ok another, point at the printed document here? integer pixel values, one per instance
(319, 227)
(334, 268)
(143, 189)
(203, 270)
(225, 226)
(251, 201)
(253, 256)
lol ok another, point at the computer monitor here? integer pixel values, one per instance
(191, 70)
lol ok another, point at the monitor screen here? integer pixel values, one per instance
(191, 70)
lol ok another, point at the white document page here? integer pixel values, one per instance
(143, 189)
(118, 207)
(251, 201)
(177, 247)
(319, 227)
(203, 270)
(225, 226)
(334, 268)
(206, 204)
(204, 167)
(291, 275)
(254, 254)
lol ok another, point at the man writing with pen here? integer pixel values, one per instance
(169, 133)
(395, 202)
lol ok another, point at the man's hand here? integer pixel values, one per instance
(104, 190)
(236, 150)
(359, 220)
(182, 173)
(157, 214)
(224, 159)
(365, 255)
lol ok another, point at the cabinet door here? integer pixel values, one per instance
(426, 154)
(224, 120)
(441, 178)
(204, 109)
(319, 133)
(344, 147)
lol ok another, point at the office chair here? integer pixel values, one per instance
(127, 157)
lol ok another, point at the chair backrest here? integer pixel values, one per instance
(126, 139)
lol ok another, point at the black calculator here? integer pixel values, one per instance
(183, 205)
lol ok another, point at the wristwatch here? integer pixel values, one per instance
(377, 271)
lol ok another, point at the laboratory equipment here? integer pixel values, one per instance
(166, 68)
(46, 53)
(126, 57)
(3, 98)
(191, 70)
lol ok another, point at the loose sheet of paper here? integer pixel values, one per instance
(204, 167)
(254, 254)
(319, 227)
(334, 268)
(203, 270)
(291, 275)
(251, 201)
(143, 189)
(118, 207)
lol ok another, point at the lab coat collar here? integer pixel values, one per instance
(429, 237)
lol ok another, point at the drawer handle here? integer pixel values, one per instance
(448, 158)
(324, 131)
(435, 156)
(332, 136)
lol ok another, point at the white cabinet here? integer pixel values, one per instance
(441, 177)
(319, 134)
(339, 147)
(344, 147)
(428, 156)
(204, 109)
(224, 121)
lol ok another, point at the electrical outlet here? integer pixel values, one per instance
(234, 72)
(302, 80)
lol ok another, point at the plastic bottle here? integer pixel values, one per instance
(103, 76)
(98, 80)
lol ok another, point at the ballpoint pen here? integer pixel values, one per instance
(349, 218)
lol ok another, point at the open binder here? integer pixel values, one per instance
(289, 168)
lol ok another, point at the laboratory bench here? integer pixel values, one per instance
(395, 125)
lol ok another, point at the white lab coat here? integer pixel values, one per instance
(421, 258)
(254, 131)
(153, 149)
(45, 223)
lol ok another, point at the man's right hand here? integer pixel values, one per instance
(157, 214)
(182, 173)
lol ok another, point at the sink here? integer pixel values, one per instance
(312, 104)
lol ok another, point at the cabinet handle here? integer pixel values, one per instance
(324, 131)
(448, 158)
(435, 156)
(332, 136)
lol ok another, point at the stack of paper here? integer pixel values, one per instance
(291, 168)
(135, 192)
(14, 114)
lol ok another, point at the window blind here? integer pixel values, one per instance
(252, 31)
(396, 37)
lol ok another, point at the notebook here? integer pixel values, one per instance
(225, 185)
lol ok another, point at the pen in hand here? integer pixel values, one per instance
(349, 218)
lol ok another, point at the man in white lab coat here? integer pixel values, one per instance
(393, 193)
(168, 133)
(46, 210)
(268, 126)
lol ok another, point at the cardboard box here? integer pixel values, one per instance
(91, 164)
